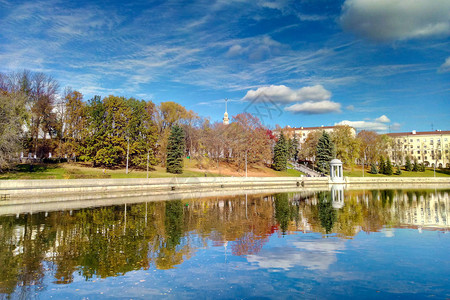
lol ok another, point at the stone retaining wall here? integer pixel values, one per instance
(397, 180)
(42, 187)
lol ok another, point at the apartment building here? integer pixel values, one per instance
(302, 132)
(429, 147)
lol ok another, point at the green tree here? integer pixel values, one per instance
(422, 167)
(141, 132)
(399, 171)
(113, 143)
(280, 154)
(373, 169)
(12, 119)
(74, 123)
(346, 144)
(325, 152)
(175, 150)
(415, 167)
(95, 114)
(388, 169)
(408, 166)
(381, 166)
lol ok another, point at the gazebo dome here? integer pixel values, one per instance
(335, 162)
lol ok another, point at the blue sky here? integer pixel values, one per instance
(375, 64)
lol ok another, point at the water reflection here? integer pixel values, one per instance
(36, 249)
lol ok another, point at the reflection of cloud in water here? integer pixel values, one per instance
(312, 254)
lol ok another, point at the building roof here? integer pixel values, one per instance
(335, 162)
(437, 132)
(311, 128)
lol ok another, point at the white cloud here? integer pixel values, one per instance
(350, 107)
(445, 67)
(396, 126)
(380, 125)
(284, 94)
(387, 20)
(235, 50)
(310, 107)
(383, 119)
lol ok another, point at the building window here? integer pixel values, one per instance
(412, 152)
(411, 140)
(418, 151)
(418, 140)
(426, 157)
(425, 151)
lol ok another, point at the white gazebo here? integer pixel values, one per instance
(336, 171)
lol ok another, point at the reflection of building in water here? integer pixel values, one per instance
(431, 210)
(373, 210)
(337, 196)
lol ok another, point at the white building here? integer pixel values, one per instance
(429, 147)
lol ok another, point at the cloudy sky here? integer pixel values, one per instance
(374, 64)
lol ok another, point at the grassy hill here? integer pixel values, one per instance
(80, 170)
(429, 172)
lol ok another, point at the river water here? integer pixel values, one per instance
(361, 244)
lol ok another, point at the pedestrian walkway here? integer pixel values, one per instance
(306, 170)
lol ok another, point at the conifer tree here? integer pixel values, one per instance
(408, 166)
(373, 169)
(280, 154)
(295, 145)
(175, 150)
(415, 167)
(381, 166)
(325, 152)
(388, 168)
(422, 167)
(399, 171)
(290, 149)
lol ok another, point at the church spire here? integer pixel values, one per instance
(226, 121)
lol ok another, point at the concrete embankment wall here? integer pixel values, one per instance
(397, 180)
(23, 188)
(60, 186)
(47, 195)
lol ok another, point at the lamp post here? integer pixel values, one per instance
(128, 152)
(148, 158)
(246, 163)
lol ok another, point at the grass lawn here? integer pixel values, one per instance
(357, 172)
(80, 171)
(288, 173)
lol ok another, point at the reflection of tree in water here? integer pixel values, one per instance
(282, 211)
(110, 241)
(387, 197)
(327, 214)
(285, 211)
(174, 223)
(168, 255)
